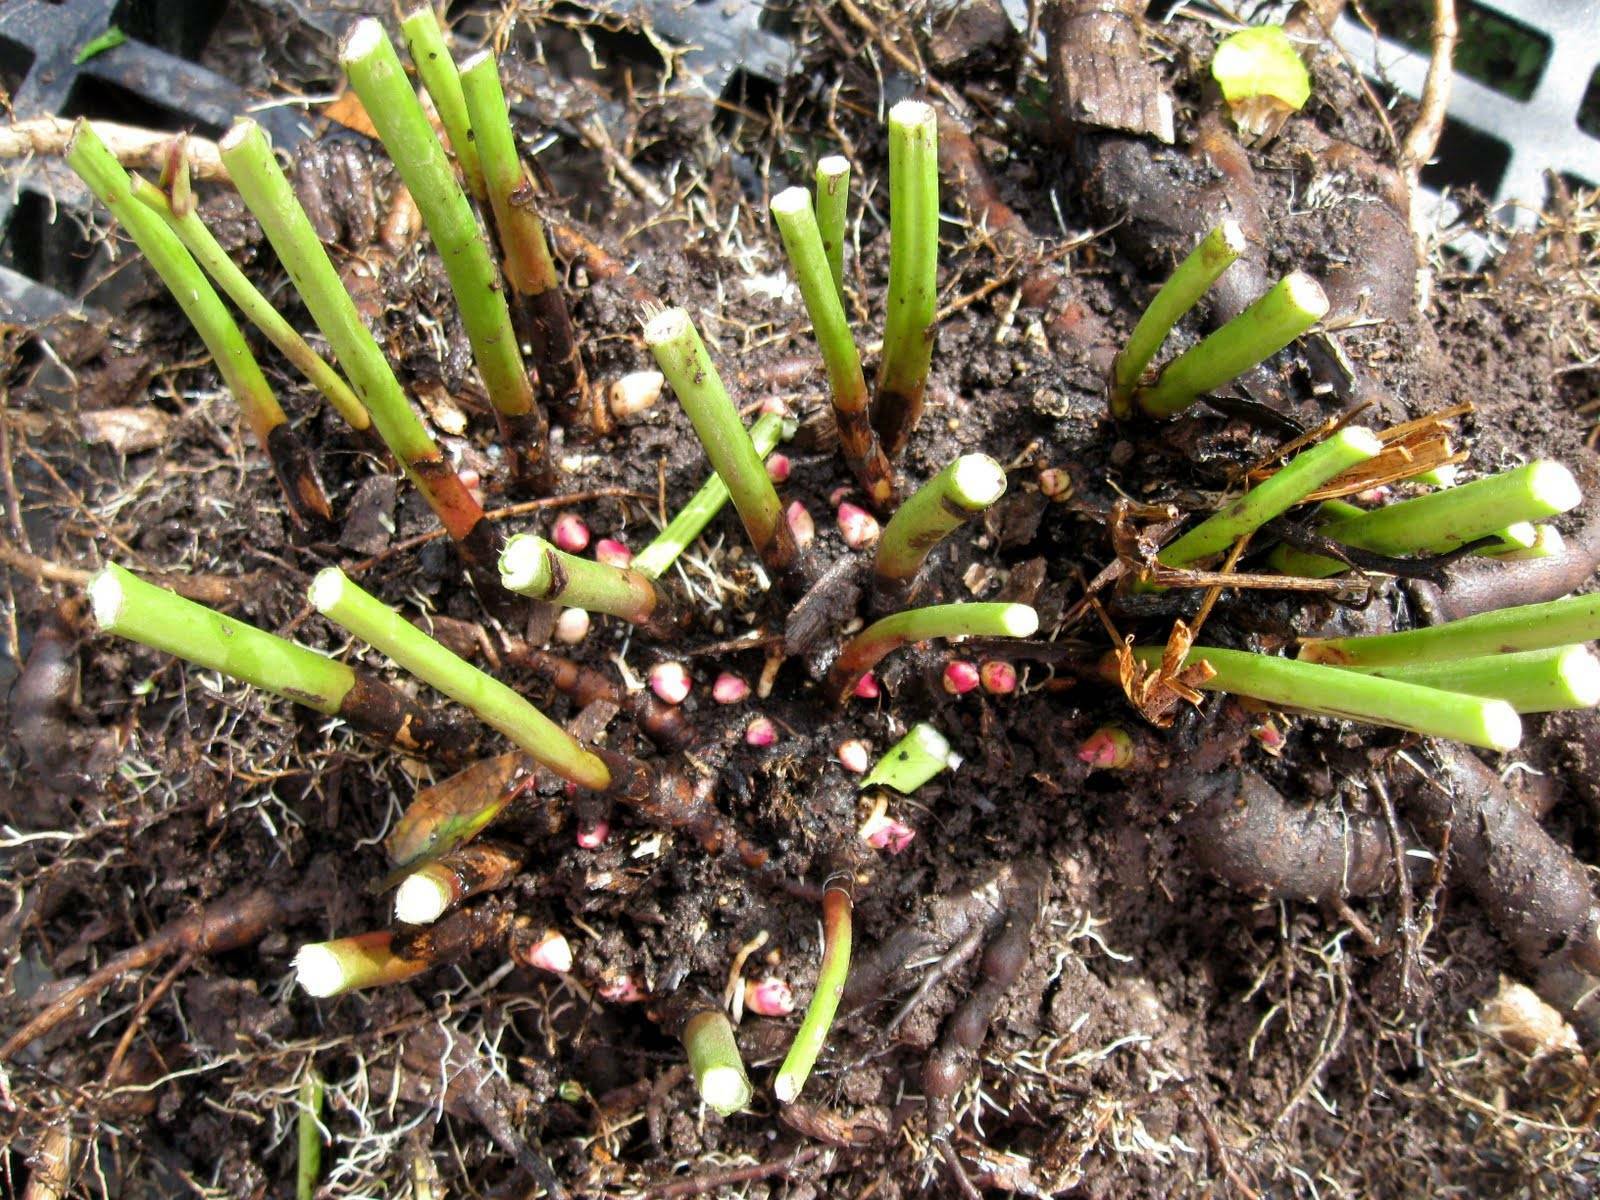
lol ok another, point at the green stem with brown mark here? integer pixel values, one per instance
(531, 566)
(951, 498)
(425, 42)
(833, 208)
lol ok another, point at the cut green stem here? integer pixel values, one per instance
(1301, 476)
(258, 310)
(1533, 681)
(374, 70)
(1547, 543)
(1444, 520)
(719, 1074)
(308, 1163)
(295, 469)
(908, 330)
(1191, 280)
(683, 359)
(913, 760)
(679, 534)
(343, 602)
(435, 888)
(1350, 695)
(831, 976)
(525, 245)
(833, 209)
(964, 488)
(261, 182)
(425, 42)
(847, 385)
(1291, 307)
(868, 648)
(1505, 631)
(374, 959)
(533, 567)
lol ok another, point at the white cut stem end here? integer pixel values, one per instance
(420, 900)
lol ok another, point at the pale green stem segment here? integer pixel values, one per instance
(1547, 543)
(533, 567)
(1301, 476)
(98, 167)
(831, 976)
(1291, 307)
(868, 648)
(343, 602)
(1350, 695)
(129, 607)
(1191, 280)
(1533, 681)
(364, 960)
(913, 271)
(803, 240)
(1519, 536)
(308, 1164)
(683, 359)
(963, 489)
(719, 1074)
(258, 310)
(261, 182)
(1505, 631)
(1445, 520)
(375, 73)
(656, 559)
(913, 760)
(425, 42)
(833, 205)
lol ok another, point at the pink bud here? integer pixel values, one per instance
(1375, 495)
(572, 626)
(836, 497)
(1055, 484)
(800, 524)
(885, 833)
(570, 533)
(998, 677)
(729, 689)
(855, 756)
(867, 687)
(859, 527)
(960, 677)
(775, 405)
(778, 468)
(551, 953)
(612, 552)
(592, 837)
(1269, 736)
(1108, 747)
(622, 990)
(670, 681)
(760, 732)
(768, 997)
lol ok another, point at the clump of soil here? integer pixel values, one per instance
(1164, 1034)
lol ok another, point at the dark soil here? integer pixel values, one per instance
(1166, 1035)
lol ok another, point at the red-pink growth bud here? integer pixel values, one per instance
(800, 524)
(778, 468)
(1375, 495)
(883, 832)
(998, 677)
(623, 989)
(867, 687)
(1107, 748)
(855, 756)
(960, 676)
(760, 732)
(768, 997)
(551, 953)
(670, 681)
(859, 527)
(1270, 737)
(612, 552)
(592, 837)
(569, 533)
(729, 688)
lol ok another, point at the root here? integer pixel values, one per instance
(42, 701)
(960, 162)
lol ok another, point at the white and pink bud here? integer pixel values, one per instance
(960, 676)
(552, 953)
(883, 832)
(769, 997)
(592, 837)
(670, 681)
(855, 756)
(635, 392)
(1055, 484)
(729, 688)
(1269, 737)
(1107, 748)
(999, 678)
(800, 524)
(572, 626)
(778, 468)
(775, 406)
(569, 533)
(858, 527)
(760, 732)
(837, 496)
(622, 989)
(612, 552)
